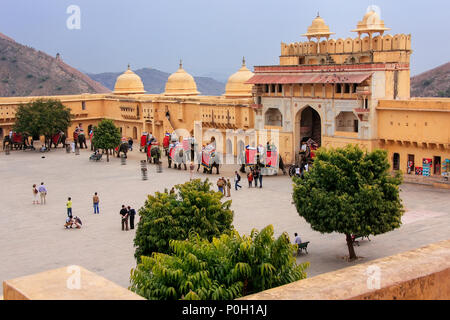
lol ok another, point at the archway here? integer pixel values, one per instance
(310, 126)
(307, 126)
(135, 133)
(273, 117)
(1, 133)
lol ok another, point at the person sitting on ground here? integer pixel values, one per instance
(69, 222)
(77, 222)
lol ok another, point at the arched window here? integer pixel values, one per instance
(396, 161)
(273, 117)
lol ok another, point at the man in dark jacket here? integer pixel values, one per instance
(124, 214)
(131, 214)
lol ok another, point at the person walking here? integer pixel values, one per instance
(191, 170)
(131, 214)
(95, 201)
(237, 178)
(42, 192)
(124, 214)
(228, 188)
(250, 178)
(69, 207)
(35, 195)
(260, 176)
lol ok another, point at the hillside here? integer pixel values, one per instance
(155, 81)
(432, 83)
(25, 71)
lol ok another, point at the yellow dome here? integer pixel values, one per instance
(236, 85)
(318, 28)
(371, 23)
(181, 83)
(128, 83)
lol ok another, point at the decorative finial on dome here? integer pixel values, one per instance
(128, 66)
(318, 15)
(181, 64)
(243, 61)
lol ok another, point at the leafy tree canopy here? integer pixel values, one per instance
(42, 117)
(106, 135)
(194, 207)
(349, 191)
(227, 267)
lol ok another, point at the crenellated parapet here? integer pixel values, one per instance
(387, 42)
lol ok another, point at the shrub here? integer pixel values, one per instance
(193, 208)
(227, 267)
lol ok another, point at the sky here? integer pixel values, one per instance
(210, 36)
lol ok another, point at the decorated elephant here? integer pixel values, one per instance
(57, 139)
(123, 147)
(153, 153)
(178, 156)
(210, 159)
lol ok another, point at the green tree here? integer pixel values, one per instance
(225, 268)
(42, 117)
(106, 136)
(193, 208)
(351, 192)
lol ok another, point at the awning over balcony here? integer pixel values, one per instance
(310, 78)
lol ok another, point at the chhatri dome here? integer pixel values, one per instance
(129, 83)
(318, 29)
(181, 83)
(236, 85)
(371, 23)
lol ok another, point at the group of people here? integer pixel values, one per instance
(127, 213)
(254, 175)
(39, 192)
(224, 186)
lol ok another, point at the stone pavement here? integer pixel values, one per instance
(33, 239)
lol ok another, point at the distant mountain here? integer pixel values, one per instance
(432, 83)
(25, 71)
(155, 81)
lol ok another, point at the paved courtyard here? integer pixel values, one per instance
(33, 239)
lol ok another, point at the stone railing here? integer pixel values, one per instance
(422, 273)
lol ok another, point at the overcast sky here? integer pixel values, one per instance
(210, 36)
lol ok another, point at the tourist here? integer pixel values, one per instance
(191, 170)
(69, 207)
(228, 186)
(297, 171)
(35, 195)
(256, 176)
(77, 222)
(297, 239)
(220, 184)
(131, 214)
(250, 178)
(130, 144)
(96, 200)
(237, 178)
(69, 222)
(124, 214)
(42, 192)
(260, 176)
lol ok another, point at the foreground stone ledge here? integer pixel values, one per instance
(421, 274)
(55, 285)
